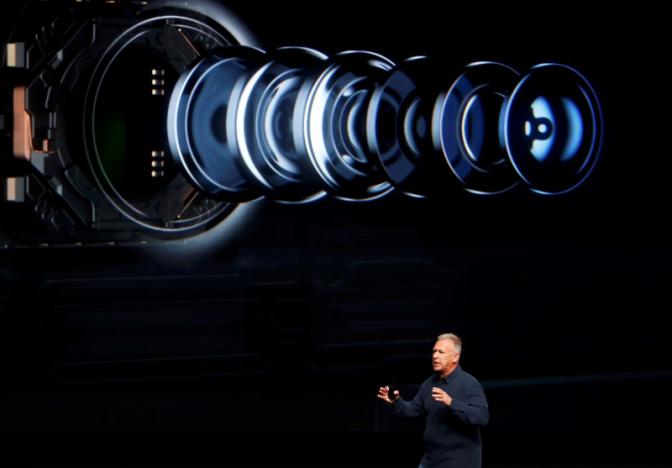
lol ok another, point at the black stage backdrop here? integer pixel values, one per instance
(268, 351)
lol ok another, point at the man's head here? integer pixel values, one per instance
(446, 353)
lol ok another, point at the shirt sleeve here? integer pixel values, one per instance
(413, 408)
(473, 411)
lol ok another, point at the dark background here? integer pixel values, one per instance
(280, 338)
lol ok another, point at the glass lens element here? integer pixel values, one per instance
(335, 126)
(269, 125)
(553, 129)
(470, 126)
(202, 123)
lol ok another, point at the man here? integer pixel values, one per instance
(454, 405)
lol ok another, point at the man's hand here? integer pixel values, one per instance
(440, 395)
(384, 394)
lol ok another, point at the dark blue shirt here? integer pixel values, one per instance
(452, 433)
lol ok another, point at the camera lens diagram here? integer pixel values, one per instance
(161, 119)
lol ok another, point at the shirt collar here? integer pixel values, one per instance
(450, 376)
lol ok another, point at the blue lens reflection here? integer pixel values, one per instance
(553, 129)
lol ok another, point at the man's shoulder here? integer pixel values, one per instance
(467, 378)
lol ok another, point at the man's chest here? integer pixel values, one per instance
(452, 388)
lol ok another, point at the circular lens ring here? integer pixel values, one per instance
(269, 113)
(142, 213)
(553, 129)
(201, 123)
(478, 79)
(400, 127)
(335, 126)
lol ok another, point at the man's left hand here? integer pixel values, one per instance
(440, 395)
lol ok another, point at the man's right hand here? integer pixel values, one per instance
(384, 394)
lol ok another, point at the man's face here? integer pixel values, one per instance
(444, 356)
